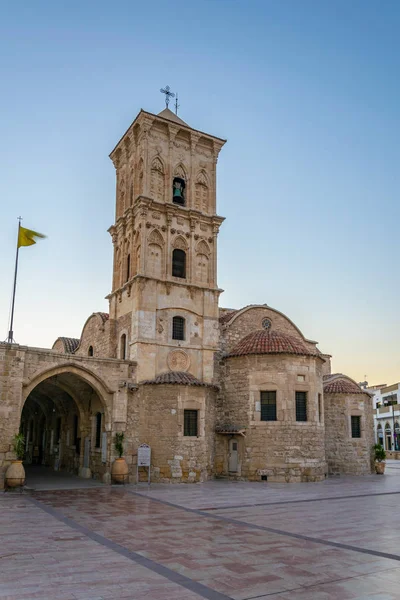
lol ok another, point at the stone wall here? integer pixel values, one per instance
(23, 370)
(96, 333)
(344, 454)
(155, 417)
(282, 450)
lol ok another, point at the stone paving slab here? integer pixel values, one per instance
(104, 543)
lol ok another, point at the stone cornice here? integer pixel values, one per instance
(168, 282)
(147, 119)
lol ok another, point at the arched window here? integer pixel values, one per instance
(179, 263)
(178, 328)
(90, 351)
(178, 191)
(98, 429)
(388, 437)
(128, 267)
(396, 436)
(123, 346)
(157, 180)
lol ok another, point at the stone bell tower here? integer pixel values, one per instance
(164, 297)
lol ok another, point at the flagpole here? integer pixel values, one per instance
(10, 339)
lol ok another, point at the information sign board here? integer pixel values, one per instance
(144, 455)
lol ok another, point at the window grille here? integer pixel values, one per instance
(98, 429)
(178, 328)
(190, 422)
(179, 263)
(355, 427)
(268, 406)
(301, 406)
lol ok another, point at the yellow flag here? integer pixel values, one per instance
(26, 237)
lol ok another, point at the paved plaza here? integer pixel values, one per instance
(336, 540)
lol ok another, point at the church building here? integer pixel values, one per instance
(215, 392)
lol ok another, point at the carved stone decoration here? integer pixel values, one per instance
(157, 180)
(203, 248)
(180, 171)
(201, 194)
(178, 360)
(180, 243)
(160, 327)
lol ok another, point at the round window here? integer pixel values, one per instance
(266, 323)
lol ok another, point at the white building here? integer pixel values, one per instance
(386, 414)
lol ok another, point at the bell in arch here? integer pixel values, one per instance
(178, 191)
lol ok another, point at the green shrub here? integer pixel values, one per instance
(119, 443)
(19, 445)
(380, 454)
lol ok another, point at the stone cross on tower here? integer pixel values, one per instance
(168, 94)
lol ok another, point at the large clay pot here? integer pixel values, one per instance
(15, 474)
(380, 468)
(119, 471)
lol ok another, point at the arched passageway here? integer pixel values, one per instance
(66, 423)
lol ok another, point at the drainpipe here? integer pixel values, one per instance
(394, 430)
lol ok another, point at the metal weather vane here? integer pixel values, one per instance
(168, 94)
(176, 104)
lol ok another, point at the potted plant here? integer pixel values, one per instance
(15, 474)
(119, 470)
(380, 456)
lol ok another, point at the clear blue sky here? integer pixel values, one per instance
(307, 94)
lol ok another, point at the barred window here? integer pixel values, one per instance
(178, 328)
(179, 263)
(301, 406)
(355, 427)
(268, 406)
(98, 429)
(190, 422)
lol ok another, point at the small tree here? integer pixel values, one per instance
(119, 443)
(19, 445)
(379, 452)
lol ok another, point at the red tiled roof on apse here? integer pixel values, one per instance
(271, 342)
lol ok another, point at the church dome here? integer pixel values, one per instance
(342, 386)
(271, 342)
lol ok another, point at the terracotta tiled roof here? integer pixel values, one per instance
(177, 378)
(271, 342)
(342, 386)
(70, 344)
(333, 375)
(104, 316)
(227, 428)
(226, 317)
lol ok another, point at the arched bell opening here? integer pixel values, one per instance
(65, 422)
